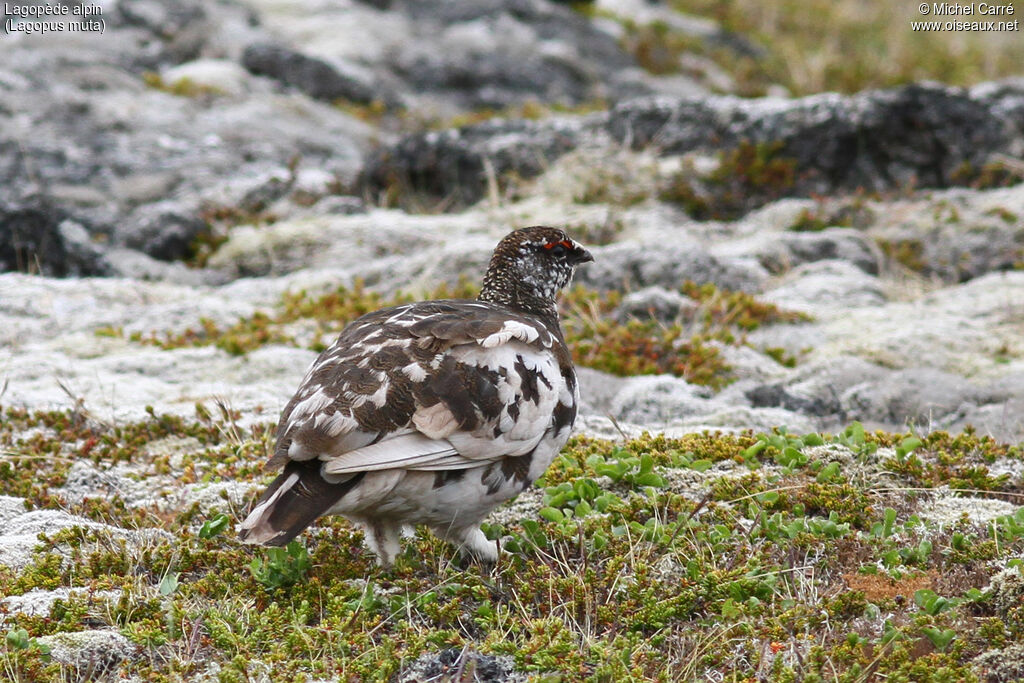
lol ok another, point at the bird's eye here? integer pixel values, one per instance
(558, 249)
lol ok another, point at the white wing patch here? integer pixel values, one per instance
(518, 434)
(410, 450)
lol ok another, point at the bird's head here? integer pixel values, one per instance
(530, 266)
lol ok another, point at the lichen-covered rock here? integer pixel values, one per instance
(312, 76)
(632, 265)
(655, 302)
(781, 251)
(20, 534)
(457, 165)
(916, 395)
(1001, 665)
(457, 665)
(1006, 592)
(826, 285)
(817, 388)
(38, 602)
(918, 134)
(38, 237)
(90, 655)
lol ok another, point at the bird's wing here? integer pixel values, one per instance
(429, 386)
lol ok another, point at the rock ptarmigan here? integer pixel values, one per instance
(433, 412)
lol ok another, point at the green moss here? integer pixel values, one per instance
(645, 557)
(746, 177)
(991, 175)
(532, 110)
(637, 346)
(909, 253)
(849, 213)
(645, 346)
(183, 87)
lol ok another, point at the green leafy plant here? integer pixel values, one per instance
(886, 527)
(18, 639)
(281, 567)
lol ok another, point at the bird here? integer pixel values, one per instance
(433, 412)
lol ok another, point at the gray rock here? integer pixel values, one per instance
(598, 390)
(736, 419)
(499, 52)
(88, 129)
(919, 134)
(134, 265)
(955, 235)
(1002, 420)
(90, 655)
(816, 389)
(828, 285)
(165, 230)
(41, 238)
(634, 265)
(922, 396)
(341, 206)
(456, 165)
(454, 664)
(654, 302)
(315, 77)
(659, 399)
(844, 244)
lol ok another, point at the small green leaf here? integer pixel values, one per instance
(169, 584)
(941, 638)
(829, 474)
(214, 527)
(551, 514)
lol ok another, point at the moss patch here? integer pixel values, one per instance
(758, 557)
(746, 177)
(596, 336)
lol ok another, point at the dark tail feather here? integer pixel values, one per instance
(291, 503)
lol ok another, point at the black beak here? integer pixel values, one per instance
(581, 255)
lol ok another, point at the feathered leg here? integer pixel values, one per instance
(470, 541)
